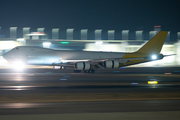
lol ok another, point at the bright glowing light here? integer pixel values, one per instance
(154, 57)
(18, 65)
(46, 44)
(99, 43)
(56, 67)
(152, 82)
(20, 39)
(65, 42)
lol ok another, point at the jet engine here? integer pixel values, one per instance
(82, 66)
(111, 64)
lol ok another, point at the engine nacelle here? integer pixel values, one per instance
(82, 66)
(111, 64)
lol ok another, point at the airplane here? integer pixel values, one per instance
(87, 61)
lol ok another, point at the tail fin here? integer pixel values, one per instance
(155, 44)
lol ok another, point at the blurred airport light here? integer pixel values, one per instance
(139, 35)
(125, 34)
(26, 31)
(64, 42)
(20, 39)
(98, 34)
(99, 42)
(40, 29)
(55, 33)
(111, 34)
(46, 44)
(36, 35)
(69, 33)
(13, 32)
(168, 36)
(152, 34)
(152, 82)
(157, 28)
(178, 36)
(9, 44)
(84, 34)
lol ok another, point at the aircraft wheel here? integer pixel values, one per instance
(91, 71)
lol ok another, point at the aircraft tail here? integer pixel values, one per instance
(155, 44)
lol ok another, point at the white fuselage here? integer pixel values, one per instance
(37, 55)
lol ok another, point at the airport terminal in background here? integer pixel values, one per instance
(124, 44)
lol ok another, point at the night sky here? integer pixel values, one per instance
(91, 14)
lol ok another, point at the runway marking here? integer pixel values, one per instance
(63, 79)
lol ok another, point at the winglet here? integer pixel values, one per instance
(155, 44)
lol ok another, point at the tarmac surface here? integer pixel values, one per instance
(21, 88)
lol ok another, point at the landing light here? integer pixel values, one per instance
(18, 65)
(154, 57)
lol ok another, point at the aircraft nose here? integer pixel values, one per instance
(10, 56)
(6, 56)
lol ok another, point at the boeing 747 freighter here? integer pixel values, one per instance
(87, 61)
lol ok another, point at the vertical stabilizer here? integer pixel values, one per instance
(155, 44)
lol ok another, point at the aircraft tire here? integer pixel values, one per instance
(89, 71)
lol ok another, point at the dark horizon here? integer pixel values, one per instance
(89, 14)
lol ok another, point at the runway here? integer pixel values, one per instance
(89, 107)
(46, 91)
(48, 81)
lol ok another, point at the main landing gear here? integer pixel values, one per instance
(89, 71)
(85, 71)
